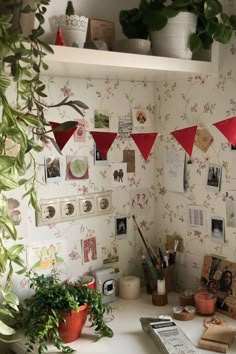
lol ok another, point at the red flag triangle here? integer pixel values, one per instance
(103, 141)
(62, 137)
(228, 129)
(185, 138)
(144, 142)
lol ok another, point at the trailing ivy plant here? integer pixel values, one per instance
(23, 129)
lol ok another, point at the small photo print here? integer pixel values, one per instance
(214, 177)
(203, 139)
(121, 227)
(49, 213)
(118, 174)
(104, 203)
(125, 126)
(68, 209)
(217, 229)
(87, 206)
(77, 167)
(231, 208)
(80, 133)
(98, 160)
(101, 119)
(89, 249)
(129, 158)
(140, 118)
(52, 167)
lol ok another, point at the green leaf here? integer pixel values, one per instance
(7, 224)
(31, 120)
(232, 20)
(27, 9)
(155, 20)
(6, 330)
(194, 42)
(15, 250)
(65, 126)
(212, 8)
(223, 34)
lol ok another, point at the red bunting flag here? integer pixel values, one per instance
(185, 138)
(103, 141)
(62, 137)
(228, 129)
(144, 142)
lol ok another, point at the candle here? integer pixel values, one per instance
(161, 287)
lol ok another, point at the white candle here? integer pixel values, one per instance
(161, 287)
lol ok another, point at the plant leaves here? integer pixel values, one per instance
(6, 330)
(194, 42)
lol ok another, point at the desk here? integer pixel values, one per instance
(129, 337)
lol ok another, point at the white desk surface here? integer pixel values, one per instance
(129, 337)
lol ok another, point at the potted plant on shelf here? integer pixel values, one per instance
(24, 130)
(205, 19)
(57, 312)
(136, 32)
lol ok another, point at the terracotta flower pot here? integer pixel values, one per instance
(72, 328)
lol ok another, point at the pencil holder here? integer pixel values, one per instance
(151, 275)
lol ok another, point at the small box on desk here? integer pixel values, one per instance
(101, 30)
(151, 275)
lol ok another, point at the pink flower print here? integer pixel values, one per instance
(74, 255)
(162, 191)
(66, 90)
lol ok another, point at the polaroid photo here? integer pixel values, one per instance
(68, 208)
(104, 202)
(87, 205)
(141, 118)
(101, 119)
(218, 229)
(53, 169)
(49, 212)
(121, 227)
(214, 177)
(98, 160)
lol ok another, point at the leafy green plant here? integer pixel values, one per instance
(213, 23)
(41, 314)
(132, 24)
(23, 130)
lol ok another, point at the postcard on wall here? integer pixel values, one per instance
(125, 126)
(98, 159)
(197, 218)
(89, 249)
(203, 139)
(129, 158)
(231, 208)
(214, 177)
(101, 119)
(174, 170)
(119, 174)
(77, 167)
(139, 201)
(53, 169)
(80, 133)
(140, 118)
(45, 256)
(219, 276)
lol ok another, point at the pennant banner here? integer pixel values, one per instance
(228, 129)
(144, 142)
(103, 141)
(62, 137)
(185, 138)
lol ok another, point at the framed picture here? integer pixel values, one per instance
(218, 229)
(52, 165)
(98, 160)
(68, 209)
(214, 177)
(140, 117)
(101, 119)
(104, 203)
(121, 227)
(49, 212)
(87, 205)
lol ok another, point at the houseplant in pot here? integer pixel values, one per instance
(207, 23)
(54, 309)
(136, 32)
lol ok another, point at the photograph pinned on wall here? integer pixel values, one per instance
(98, 159)
(80, 133)
(121, 228)
(101, 119)
(141, 118)
(68, 209)
(217, 229)
(230, 201)
(125, 126)
(77, 167)
(87, 205)
(129, 158)
(53, 170)
(119, 174)
(139, 201)
(104, 202)
(89, 249)
(197, 218)
(214, 177)
(203, 139)
(49, 212)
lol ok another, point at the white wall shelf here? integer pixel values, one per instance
(88, 63)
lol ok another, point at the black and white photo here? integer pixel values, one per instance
(217, 229)
(121, 227)
(52, 169)
(214, 177)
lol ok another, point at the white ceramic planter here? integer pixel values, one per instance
(132, 45)
(74, 29)
(172, 41)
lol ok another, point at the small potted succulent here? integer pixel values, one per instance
(57, 312)
(136, 32)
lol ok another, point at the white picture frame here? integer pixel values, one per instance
(104, 202)
(141, 117)
(49, 212)
(68, 209)
(217, 229)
